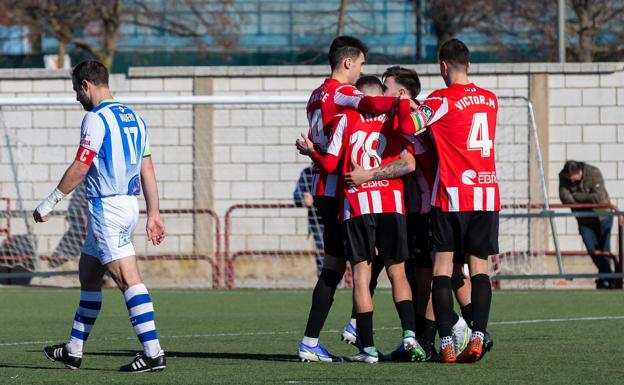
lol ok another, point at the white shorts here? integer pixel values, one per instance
(110, 226)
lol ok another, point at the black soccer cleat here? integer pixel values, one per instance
(143, 363)
(61, 354)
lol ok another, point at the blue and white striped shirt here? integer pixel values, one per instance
(119, 138)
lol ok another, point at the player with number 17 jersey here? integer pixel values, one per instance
(462, 120)
(118, 137)
(113, 142)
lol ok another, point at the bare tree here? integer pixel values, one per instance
(527, 29)
(595, 30)
(450, 17)
(94, 26)
(212, 24)
(342, 10)
(88, 25)
(522, 29)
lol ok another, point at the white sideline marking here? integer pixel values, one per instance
(271, 333)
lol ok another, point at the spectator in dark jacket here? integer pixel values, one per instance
(582, 183)
(303, 198)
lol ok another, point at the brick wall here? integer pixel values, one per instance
(253, 157)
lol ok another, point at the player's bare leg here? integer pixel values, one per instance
(349, 333)
(481, 301)
(322, 300)
(90, 273)
(125, 273)
(442, 297)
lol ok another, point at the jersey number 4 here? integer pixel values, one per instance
(317, 133)
(479, 137)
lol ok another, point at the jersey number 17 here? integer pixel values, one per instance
(131, 141)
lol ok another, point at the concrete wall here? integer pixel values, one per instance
(250, 156)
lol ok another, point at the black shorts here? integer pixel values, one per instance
(386, 232)
(465, 233)
(419, 240)
(327, 208)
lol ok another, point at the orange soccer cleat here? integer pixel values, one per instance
(447, 354)
(473, 351)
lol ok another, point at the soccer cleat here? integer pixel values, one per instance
(488, 344)
(61, 354)
(461, 335)
(399, 355)
(349, 335)
(473, 351)
(412, 347)
(142, 363)
(317, 353)
(447, 354)
(430, 352)
(366, 357)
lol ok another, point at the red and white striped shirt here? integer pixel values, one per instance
(325, 102)
(462, 120)
(369, 141)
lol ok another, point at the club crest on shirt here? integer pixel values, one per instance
(134, 187)
(427, 111)
(124, 237)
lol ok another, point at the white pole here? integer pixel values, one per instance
(561, 26)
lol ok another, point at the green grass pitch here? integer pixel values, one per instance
(251, 336)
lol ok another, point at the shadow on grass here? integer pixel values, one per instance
(208, 355)
(54, 367)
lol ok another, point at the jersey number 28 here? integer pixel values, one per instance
(363, 152)
(479, 137)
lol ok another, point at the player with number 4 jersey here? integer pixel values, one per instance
(464, 216)
(462, 120)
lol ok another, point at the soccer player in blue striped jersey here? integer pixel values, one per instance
(114, 161)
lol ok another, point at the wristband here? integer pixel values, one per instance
(47, 205)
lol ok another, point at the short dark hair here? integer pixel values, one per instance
(345, 47)
(572, 167)
(455, 53)
(369, 81)
(406, 77)
(90, 70)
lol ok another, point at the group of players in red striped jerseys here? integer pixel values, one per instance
(410, 187)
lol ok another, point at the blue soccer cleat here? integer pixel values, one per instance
(349, 335)
(317, 353)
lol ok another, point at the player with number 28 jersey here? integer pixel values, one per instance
(369, 141)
